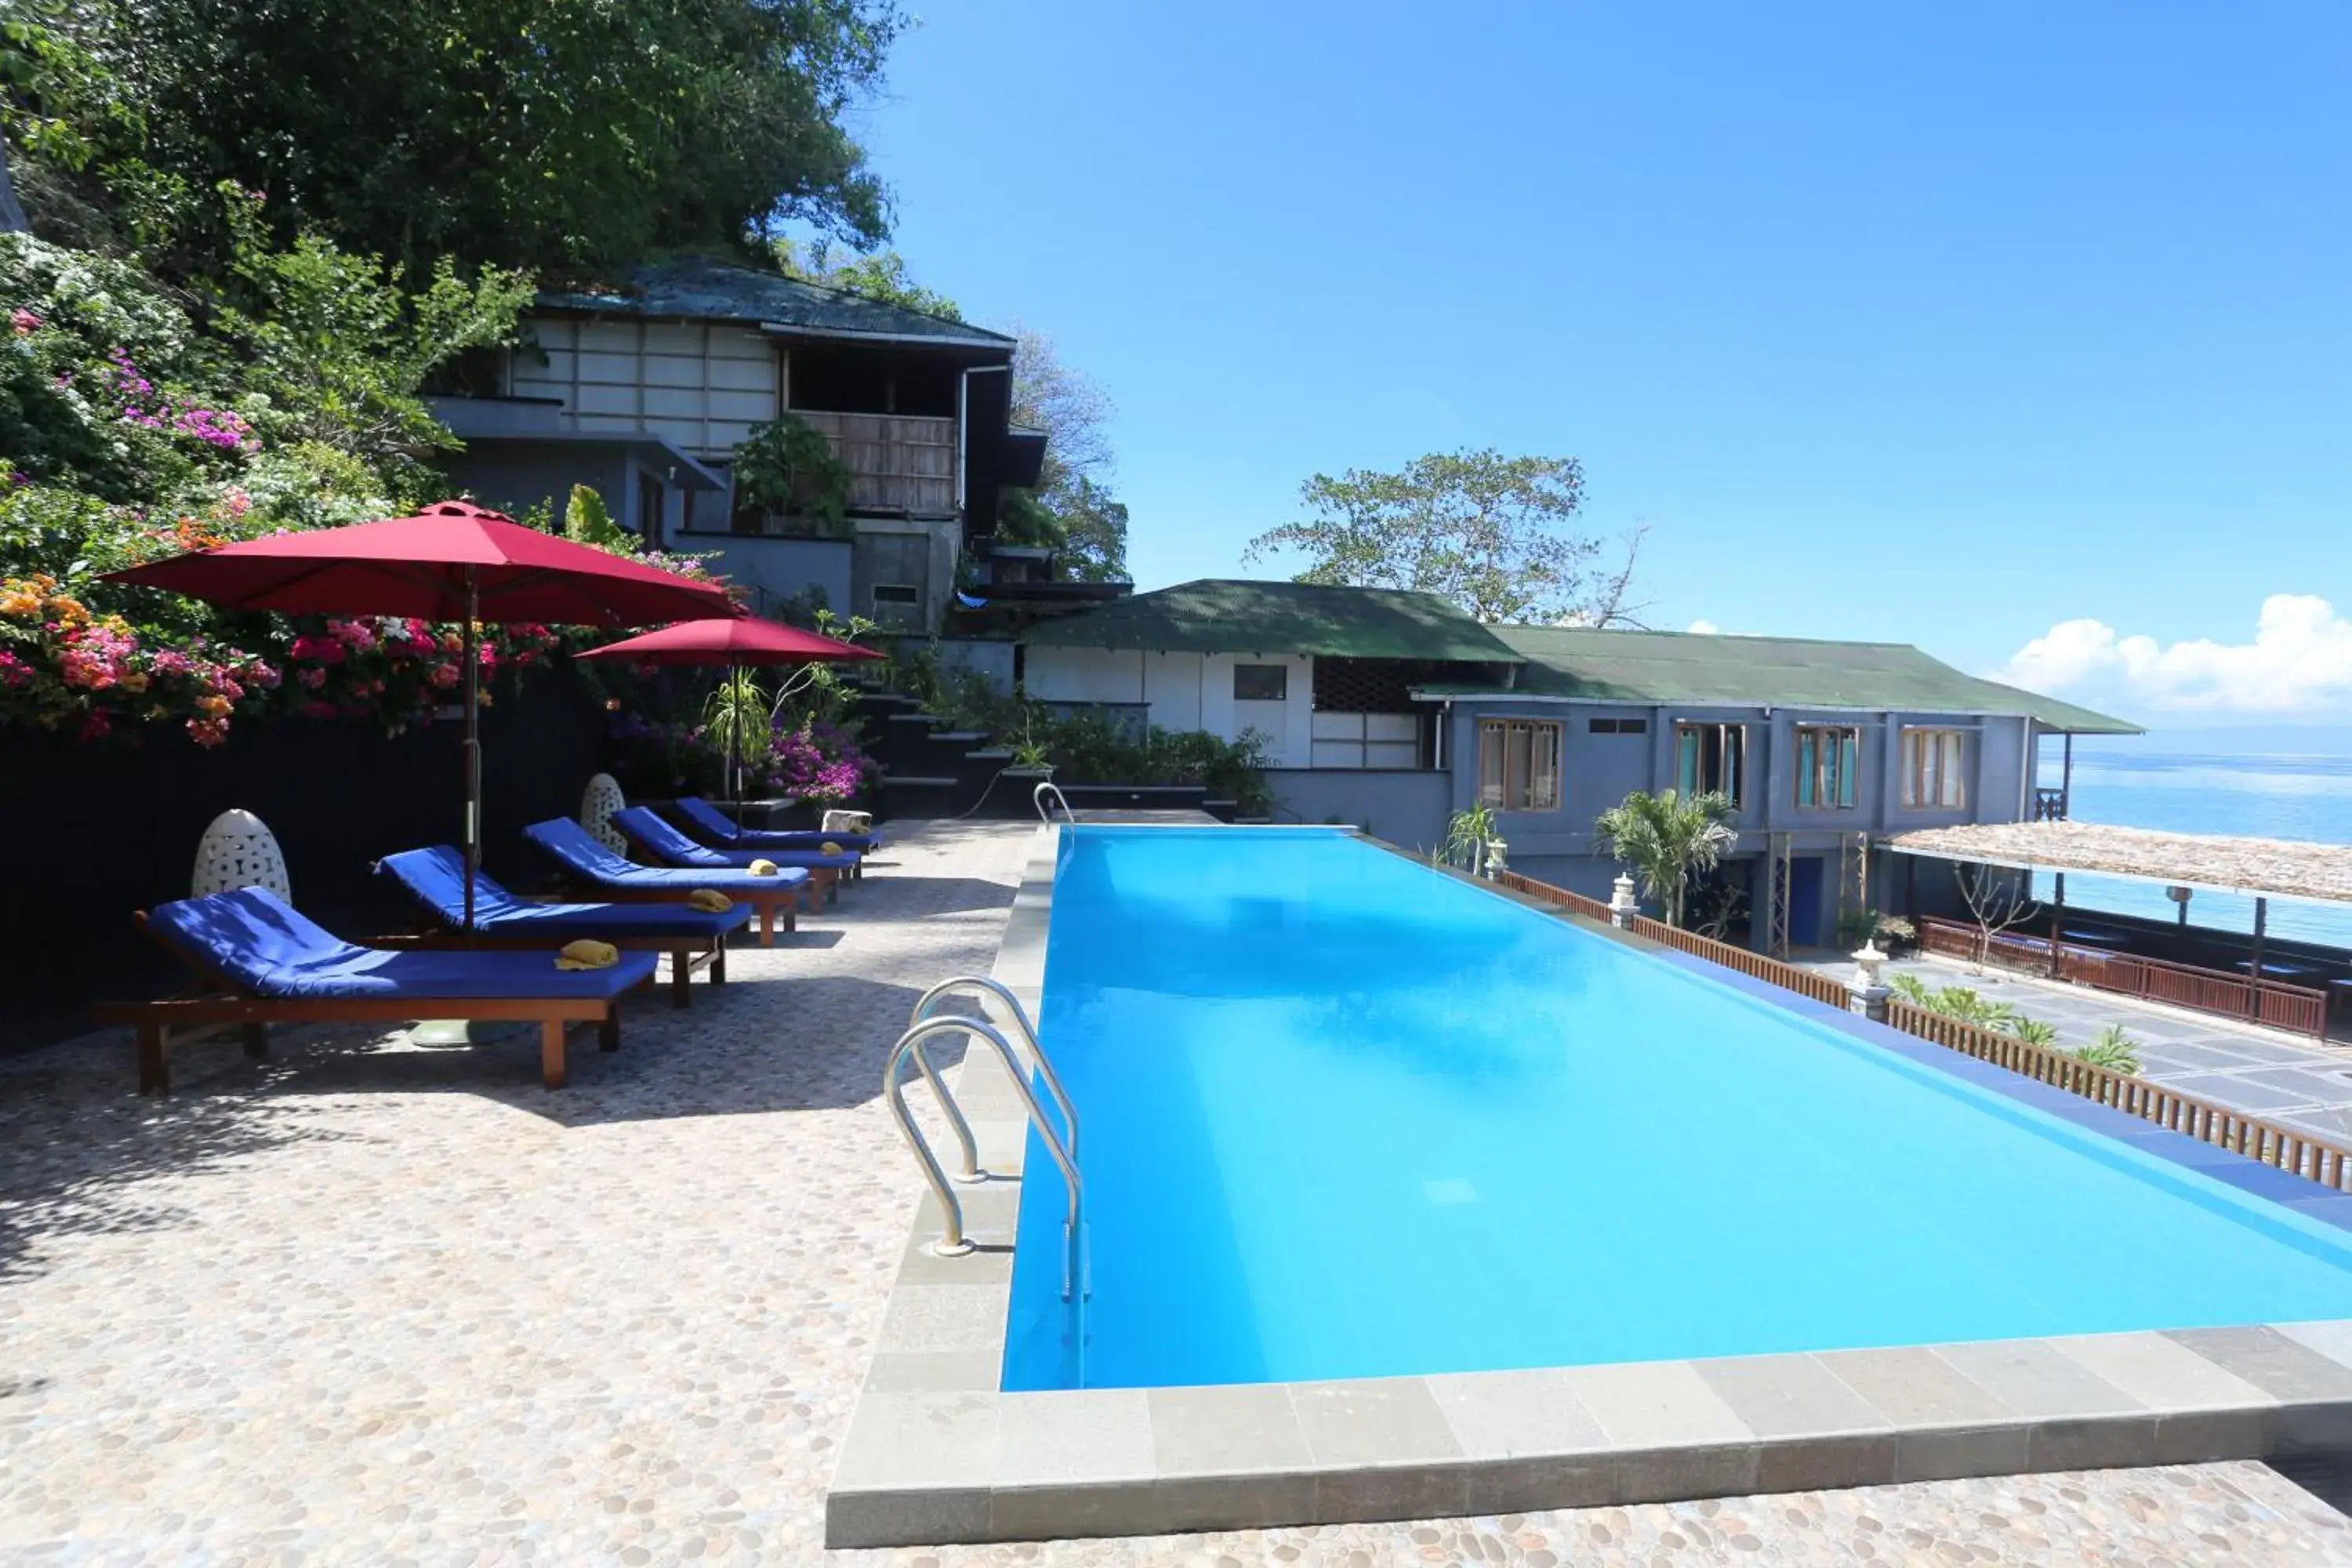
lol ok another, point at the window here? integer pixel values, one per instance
(1617, 727)
(1261, 682)
(1518, 764)
(1935, 777)
(1826, 758)
(1711, 758)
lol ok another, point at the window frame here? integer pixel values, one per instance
(1283, 683)
(1542, 736)
(1616, 724)
(1934, 754)
(1696, 729)
(1835, 770)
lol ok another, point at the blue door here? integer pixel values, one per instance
(1805, 900)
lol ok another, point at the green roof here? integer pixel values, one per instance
(697, 289)
(1239, 615)
(1749, 671)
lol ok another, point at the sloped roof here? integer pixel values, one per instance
(2255, 866)
(697, 288)
(1753, 671)
(1223, 614)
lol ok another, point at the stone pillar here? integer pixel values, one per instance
(1623, 905)
(1497, 857)
(1864, 994)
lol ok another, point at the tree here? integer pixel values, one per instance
(1996, 900)
(572, 139)
(883, 275)
(1480, 529)
(1072, 507)
(1669, 839)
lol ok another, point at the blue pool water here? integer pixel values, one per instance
(1344, 1117)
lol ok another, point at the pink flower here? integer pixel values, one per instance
(444, 675)
(314, 677)
(208, 732)
(25, 322)
(317, 709)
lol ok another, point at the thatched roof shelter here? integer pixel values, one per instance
(2278, 867)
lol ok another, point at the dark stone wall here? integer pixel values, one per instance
(89, 833)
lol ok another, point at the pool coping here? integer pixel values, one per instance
(936, 1451)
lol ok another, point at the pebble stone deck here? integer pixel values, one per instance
(367, 1304)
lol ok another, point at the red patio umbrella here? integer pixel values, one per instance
(735, 642)
(452, 562)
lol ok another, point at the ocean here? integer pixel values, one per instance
(2261, 796)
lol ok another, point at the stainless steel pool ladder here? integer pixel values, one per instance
(1037, 798)
(925, 1024)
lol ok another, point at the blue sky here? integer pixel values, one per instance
(1949, 325)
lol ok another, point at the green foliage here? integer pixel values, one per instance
(736, 718)
(1668, 838)
(2033, 1031)
(1072, 510)
(2114, 1050)
(339, 346)
(1468, 835)
(1912, 989)
(881, 274)
(787, 466)
(1484, 530)
(1855, 927)
(587, 520)
(1972, 1006)
(570, 139)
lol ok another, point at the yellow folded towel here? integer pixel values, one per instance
(587, 954)
(761, 868)
(830, 847)
(709, 901)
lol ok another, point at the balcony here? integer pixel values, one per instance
(901, 464)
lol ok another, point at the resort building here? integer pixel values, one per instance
(1393, 710)
(645, 393)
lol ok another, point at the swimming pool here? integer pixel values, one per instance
(1344, 1117)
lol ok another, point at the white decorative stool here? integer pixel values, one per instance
(237, 851)
(597, 805)
(846, 822)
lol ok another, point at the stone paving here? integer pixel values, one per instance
(365, 1304)
(2283, 1078)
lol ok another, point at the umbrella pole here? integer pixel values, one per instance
(473, 747)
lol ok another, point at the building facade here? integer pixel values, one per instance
(1393, 711)
(646, 391)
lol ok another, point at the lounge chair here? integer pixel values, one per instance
(652, 836)
(264, 963)
(590, 868)
(436, 879)
(715, 827)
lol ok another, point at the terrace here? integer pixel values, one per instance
(365, 1300)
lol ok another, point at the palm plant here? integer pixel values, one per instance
(1467, 835)
(1668, 838)
(2114, 1049)
(739, 722)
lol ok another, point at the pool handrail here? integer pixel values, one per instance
(952, 1241)
(1037, 798)
(1003, 994)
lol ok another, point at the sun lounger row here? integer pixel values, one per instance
(262, 962)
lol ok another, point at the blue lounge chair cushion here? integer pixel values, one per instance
(723, 831)
(646, 829)
(260, 942)
(435, 879)
(573, 847)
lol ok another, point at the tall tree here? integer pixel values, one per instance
(1488, 531)
(1073, 505)
(572, 139)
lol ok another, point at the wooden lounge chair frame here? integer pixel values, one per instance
(784, 901)
(226, 1001)
(824, 882)
(686, 954)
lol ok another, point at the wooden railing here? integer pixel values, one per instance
(2256, 1138)
(1809, 983)
(2294, 1007)
(1592, 909)
(2316, 1159)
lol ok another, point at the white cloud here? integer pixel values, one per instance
(1706, 628)
(2300, 661)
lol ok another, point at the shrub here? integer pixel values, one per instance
(2114, 1050)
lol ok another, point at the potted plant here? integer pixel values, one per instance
(786, 470)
